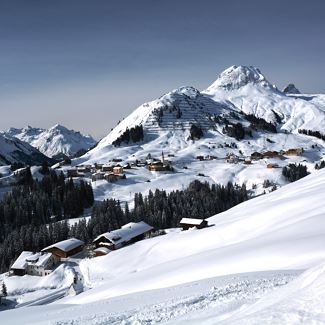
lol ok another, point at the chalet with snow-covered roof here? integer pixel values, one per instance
(187, 223)
(117, 170)
(127, 234)
(39, 264)
(65, 248)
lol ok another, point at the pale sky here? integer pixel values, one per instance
(88, 63)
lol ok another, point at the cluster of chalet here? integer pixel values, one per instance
(277, 154)
(111, 171)
(42, 263)
(114, 169)
(233, 159)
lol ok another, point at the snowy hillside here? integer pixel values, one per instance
(14, 150)
(198, 276)
(54, 141)
(237, 91)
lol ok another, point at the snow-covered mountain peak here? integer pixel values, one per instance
(236, 77)
(291, 89)
(188, 91)
(14, 150)
(56, 140)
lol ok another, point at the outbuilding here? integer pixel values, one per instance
(187, 223)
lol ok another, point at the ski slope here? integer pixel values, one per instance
(241, 267)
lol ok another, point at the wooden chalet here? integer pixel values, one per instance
(39, 264)
(187, 223)
(65, 248)
(127, 234)
(271, 165)
(117, 170)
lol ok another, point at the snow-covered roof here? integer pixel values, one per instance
(29, 258)
(126, 233)
(66, 245)
(191, 221)
(103, 250)
(20, 262)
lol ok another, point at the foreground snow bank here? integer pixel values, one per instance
(299, 302)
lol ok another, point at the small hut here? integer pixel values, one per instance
(187, 223)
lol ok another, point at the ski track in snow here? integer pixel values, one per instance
(222, 298)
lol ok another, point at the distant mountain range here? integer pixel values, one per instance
(13, 150)
(54, 141)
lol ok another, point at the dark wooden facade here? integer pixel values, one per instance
(187, 226)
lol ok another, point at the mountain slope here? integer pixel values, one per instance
(239, 94)
(251, 93)
(54, 141)
(14, 150)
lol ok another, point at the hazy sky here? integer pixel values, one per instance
(87, 64)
